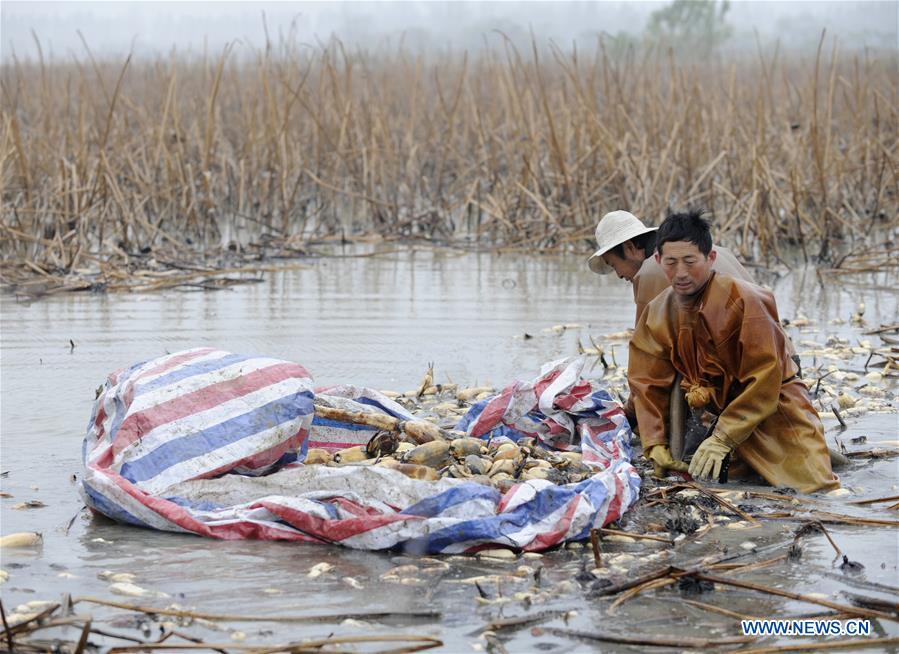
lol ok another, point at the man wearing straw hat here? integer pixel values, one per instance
(627, 246)
(724, 337)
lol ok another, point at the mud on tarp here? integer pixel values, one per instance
(212, 443)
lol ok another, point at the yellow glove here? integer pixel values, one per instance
(710, 455)
(662, 460)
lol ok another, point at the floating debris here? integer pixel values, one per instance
(319, 569)
(30, 504)
(132, 590)
(22, 539)
(352, 583)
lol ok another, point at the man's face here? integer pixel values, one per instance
(685, 266)
(627, 267)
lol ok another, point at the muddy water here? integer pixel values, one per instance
(376, 321)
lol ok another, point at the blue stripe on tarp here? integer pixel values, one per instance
(476, 409)
(402, 415)
(337, 424)
(495, 528)
(333, 511)
(96, 500)
(304, 449)
(190, 370)
(436, 504)
(119, 414)
(287, 408)
(193, 504)
(598, 399)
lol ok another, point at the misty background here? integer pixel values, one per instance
(151, 29)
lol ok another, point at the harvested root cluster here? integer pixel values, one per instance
(492, 463)
(428, 447)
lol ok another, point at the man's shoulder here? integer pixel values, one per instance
(726, 263)
(739, 294)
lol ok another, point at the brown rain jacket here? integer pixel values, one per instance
(733, 354)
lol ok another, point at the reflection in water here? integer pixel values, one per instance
(370, 320)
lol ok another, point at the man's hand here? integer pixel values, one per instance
(709, 456)
(662, 461)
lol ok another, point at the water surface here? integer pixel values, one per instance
(376, 321)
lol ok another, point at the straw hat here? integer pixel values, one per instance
(614, 229)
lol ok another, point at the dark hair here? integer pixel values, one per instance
(645, 242)
(687, 226)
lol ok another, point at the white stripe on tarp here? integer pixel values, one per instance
(215, 415)
(189, 385)
(253, 444)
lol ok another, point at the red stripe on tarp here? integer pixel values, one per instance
(176, 361)
(572, 397)
(595, 430)
(334, 530)
(138, 424)
(492, 413)
(355, 508)
(98, 422)
(548, 538)
(180, 516)
(506, 499)
(544, 382)
(614, 511)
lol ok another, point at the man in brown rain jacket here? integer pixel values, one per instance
(724, 337)
(627, 246)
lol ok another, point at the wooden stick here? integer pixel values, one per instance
(650, 641)
(637, 581)
(723, 502)
(872, 602)
(183, 613)
(875, 644)
(717, 609)
(426, 642)
(633, 592)
(6, 629)
(82, 641)
(831, 518)
(523, 621)
(747, 567)
(594, 544)
(617, 532)
(877, 500)
(865, 613)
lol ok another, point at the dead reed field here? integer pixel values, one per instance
(112, 166)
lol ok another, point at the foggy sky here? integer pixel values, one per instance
(152, 28)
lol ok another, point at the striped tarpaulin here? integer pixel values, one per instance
(560, 409)
(210, 442)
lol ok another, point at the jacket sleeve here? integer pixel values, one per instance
(650, 375)
(759, 343)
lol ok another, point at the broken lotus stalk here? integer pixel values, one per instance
(421, 431)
